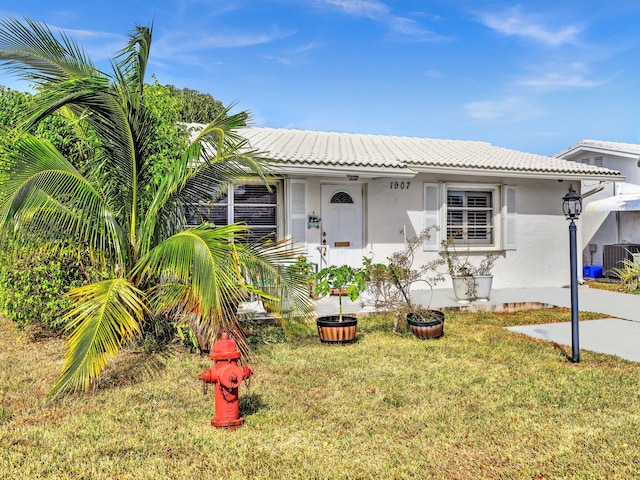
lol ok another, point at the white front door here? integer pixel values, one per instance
(342, 224)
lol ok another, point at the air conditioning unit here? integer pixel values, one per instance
(613, 256)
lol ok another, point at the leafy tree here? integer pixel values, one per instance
(34, 277)
(195, 106)
(61, 131)
(11, 107)
(114, 209)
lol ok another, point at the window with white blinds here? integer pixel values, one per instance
(482, 217)
(470, 217)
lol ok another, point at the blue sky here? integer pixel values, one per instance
(536, 76)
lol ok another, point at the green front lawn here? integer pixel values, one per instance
(481, 402)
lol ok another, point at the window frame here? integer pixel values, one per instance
(230, 204)
(465, 212)
(504, 215)
(494, 190)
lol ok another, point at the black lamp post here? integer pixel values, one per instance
(572, 207)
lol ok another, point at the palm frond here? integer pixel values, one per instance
(112, 106)
(264, 265)
(183, 187)
(34, 53)
(223, 143)
(134, 57)
(44, 192)
(102, 317)
(204, 259)
(217, 157)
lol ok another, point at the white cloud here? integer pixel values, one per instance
(556, 81)
(507, 109)
(400, 27)
(360, 8)
(514, 22)
(183, 42)
(412, 29)
(286, 61)
(303, 49)
(295, 56)
(558, 77)
(90, 34)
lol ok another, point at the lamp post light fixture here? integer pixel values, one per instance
(572, 207)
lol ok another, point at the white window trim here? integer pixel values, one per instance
(509, 217)
(292, 217)
(503, 220)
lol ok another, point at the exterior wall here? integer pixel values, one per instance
(541, 256)
(606, 228)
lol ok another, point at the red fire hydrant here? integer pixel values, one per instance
(227, 375)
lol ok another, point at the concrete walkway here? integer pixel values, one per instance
(615, 336)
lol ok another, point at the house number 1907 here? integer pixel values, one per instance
(395, 185)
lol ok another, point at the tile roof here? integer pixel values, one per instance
(331, 149)
(613, 147)
(322, 150)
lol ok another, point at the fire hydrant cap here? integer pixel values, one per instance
(225, 349)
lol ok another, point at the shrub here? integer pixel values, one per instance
(629, 275)
(389, 285)
(34, 278)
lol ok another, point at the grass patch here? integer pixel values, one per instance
(611, 286)
(481, 402)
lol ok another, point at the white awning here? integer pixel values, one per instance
(617, 203)
(627, 200)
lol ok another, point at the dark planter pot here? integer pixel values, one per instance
(426, 328)
(331, 330)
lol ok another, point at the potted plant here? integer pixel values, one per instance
(460, 270)
(314, 221)
(389, 287)
(340, 280)
(483, 279)
(470, 282)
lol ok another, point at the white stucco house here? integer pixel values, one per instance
(611, 219)
(371, 192)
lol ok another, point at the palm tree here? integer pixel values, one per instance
(112, 208)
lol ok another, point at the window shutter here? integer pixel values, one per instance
(509, 218)
(298, 212)
(432, 203)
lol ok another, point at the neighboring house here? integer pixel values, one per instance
(606, 233)
(372, 192)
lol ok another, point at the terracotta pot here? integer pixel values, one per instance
(426, 328)
(331, 330)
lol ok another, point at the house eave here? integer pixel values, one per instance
(483, 172)
(583, 149)
(327, 171)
